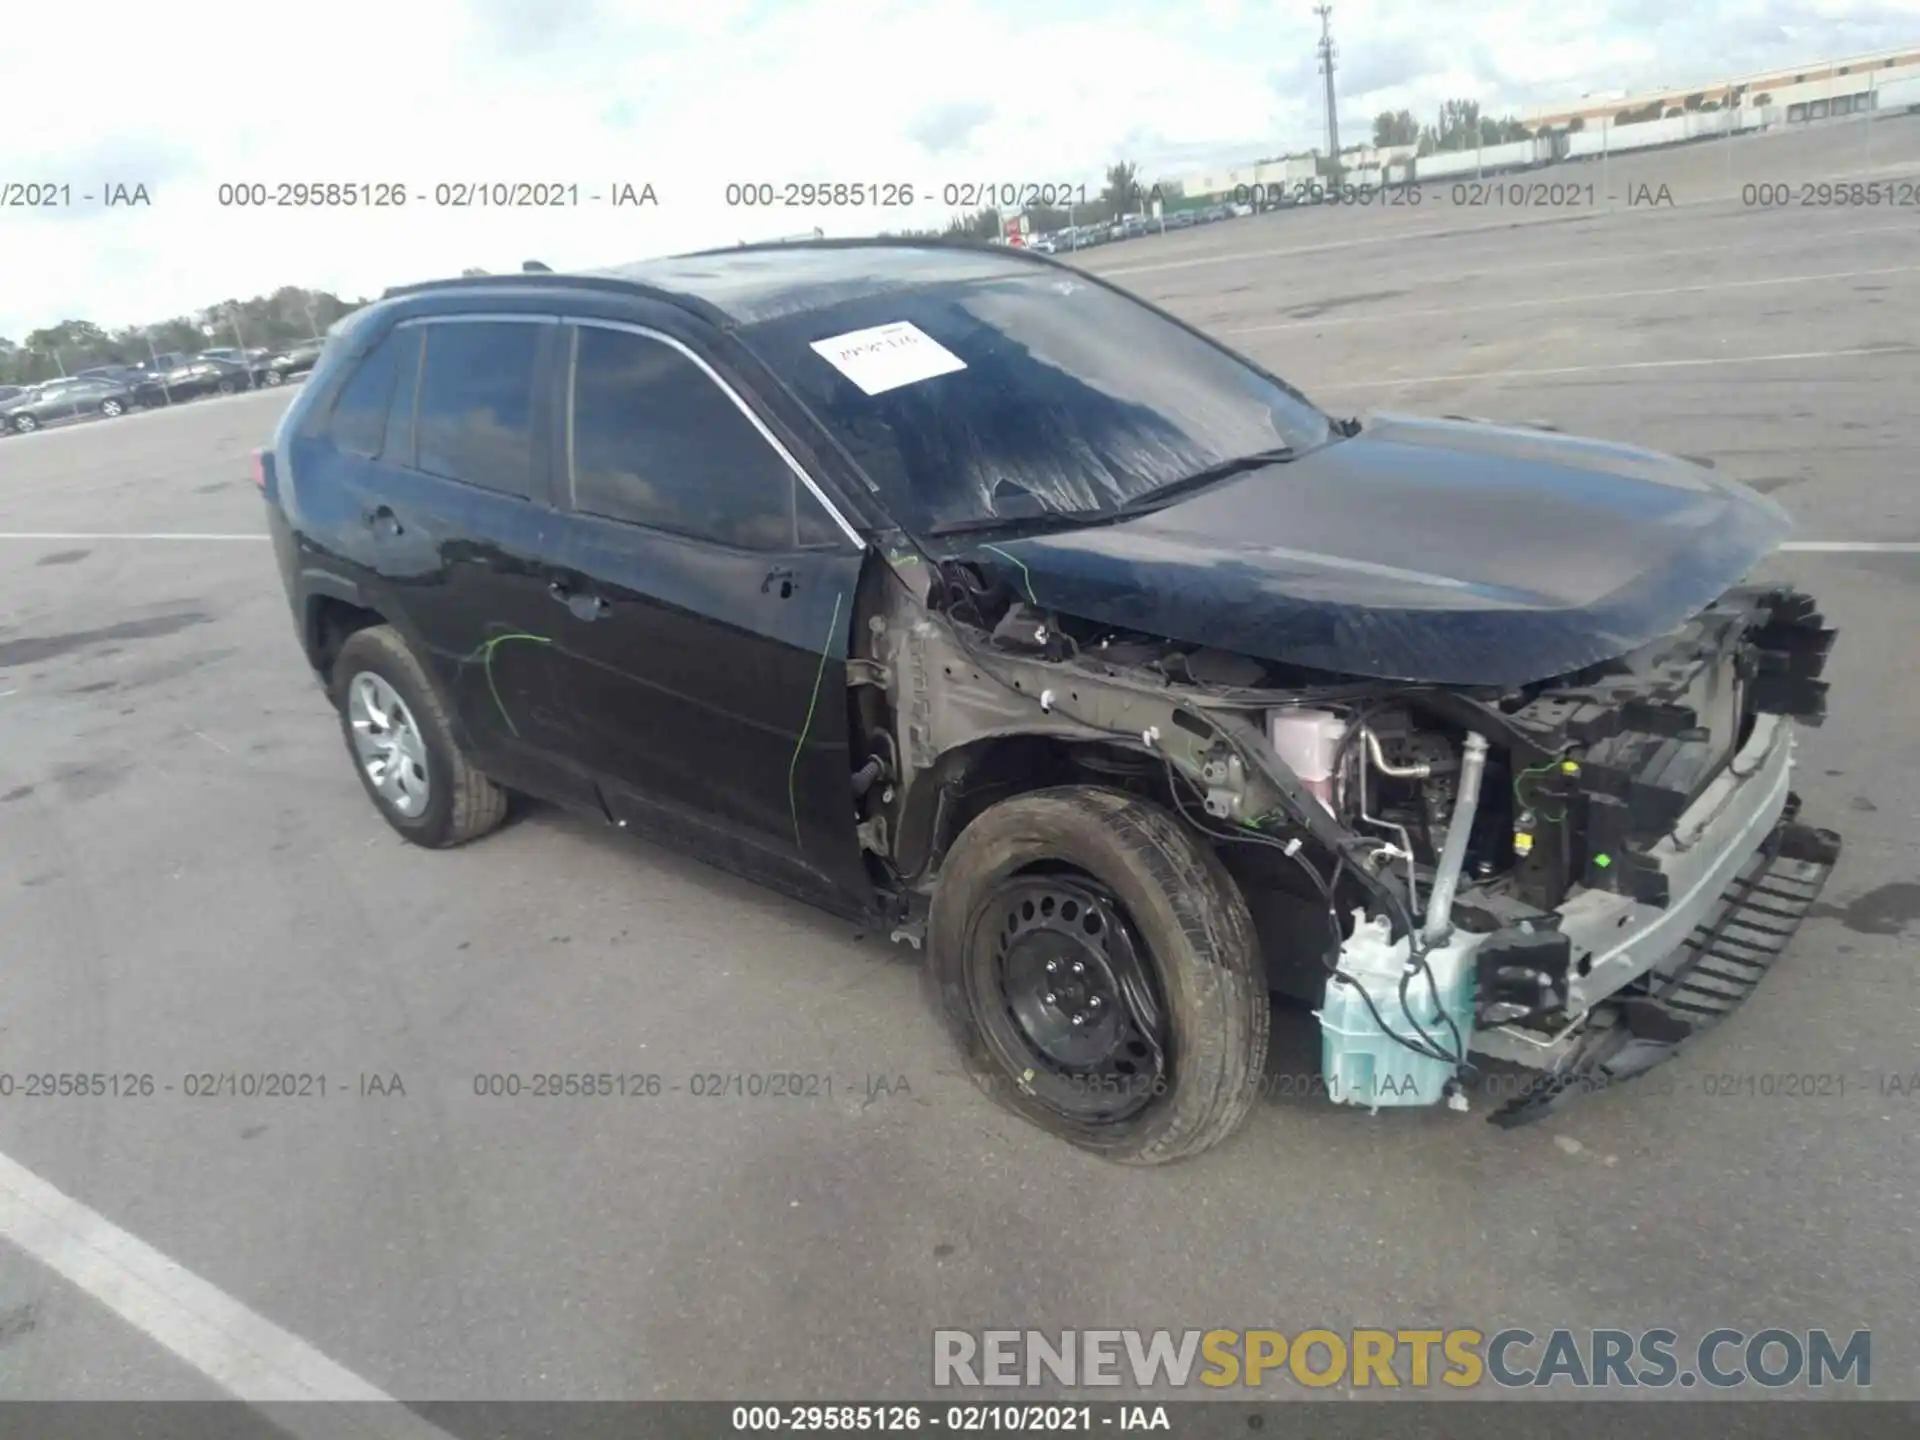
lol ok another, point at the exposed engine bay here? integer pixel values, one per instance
(1439, 871)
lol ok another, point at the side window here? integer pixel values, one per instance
(474, 417)
(360, 412)
(812, 525)
(397, 448)
(655, 441)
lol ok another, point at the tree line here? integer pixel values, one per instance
(1122, 193)
(1461, 126)
(287, 316)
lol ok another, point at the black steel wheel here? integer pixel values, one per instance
(1064, 998)
(1098, 970)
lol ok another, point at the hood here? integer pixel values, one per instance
(1439, 551)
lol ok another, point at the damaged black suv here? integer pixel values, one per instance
(955, 587)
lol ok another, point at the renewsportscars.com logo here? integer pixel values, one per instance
(1390, 1359)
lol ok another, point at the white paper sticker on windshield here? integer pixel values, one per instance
(886, 357)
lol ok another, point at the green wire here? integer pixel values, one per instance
(1520, 800)
(485, 653)
(1015, 559)
(806, 728)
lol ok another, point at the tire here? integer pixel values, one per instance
(274, 377)
(112, 408)
(25, 424)
(1189, 926)
(461, 804)
(225, 387)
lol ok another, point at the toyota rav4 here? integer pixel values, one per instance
(953, 587)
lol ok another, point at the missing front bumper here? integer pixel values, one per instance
(1715, 969)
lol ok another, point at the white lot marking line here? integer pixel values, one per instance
(76, 535)
(1539, 302)
(245, 1354)
(1617, 365)
(1855, 547)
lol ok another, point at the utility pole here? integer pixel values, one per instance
(1327, 53)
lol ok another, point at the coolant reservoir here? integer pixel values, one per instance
(1308, 743)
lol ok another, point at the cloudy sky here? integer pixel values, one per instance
(689, 95)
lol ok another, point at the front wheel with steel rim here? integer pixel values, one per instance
(401, 740)
(1098, 969)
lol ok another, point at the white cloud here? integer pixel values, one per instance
(690, 96)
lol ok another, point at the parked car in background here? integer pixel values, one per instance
(63, 400)
(293, 360)
(204, 375)
(131, 376)
(254, 359)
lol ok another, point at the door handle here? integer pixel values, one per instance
(583, 605)
(383, 521)
(781, 575)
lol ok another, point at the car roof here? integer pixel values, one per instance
(746, 284)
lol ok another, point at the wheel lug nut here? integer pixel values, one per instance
(1079, 1019)
(1079, 967)
(1053, 966)
(1094, 1003)
(1051, 998)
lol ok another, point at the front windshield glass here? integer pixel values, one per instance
(1058, 396)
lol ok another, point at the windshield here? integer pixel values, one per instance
(1052, 394)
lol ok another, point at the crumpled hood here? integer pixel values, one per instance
(1444, 551)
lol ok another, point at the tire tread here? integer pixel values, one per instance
(477, 806)
(1217, 997)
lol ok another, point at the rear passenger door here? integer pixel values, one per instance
(450, 500)
(711, 602)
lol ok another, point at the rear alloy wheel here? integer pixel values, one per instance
(110, 408)
(25, 424)
(401, 741)
(1099, 971)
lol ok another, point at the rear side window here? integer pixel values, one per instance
(397, 448)
(474, 417)
(656, 442)
(360, 413)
